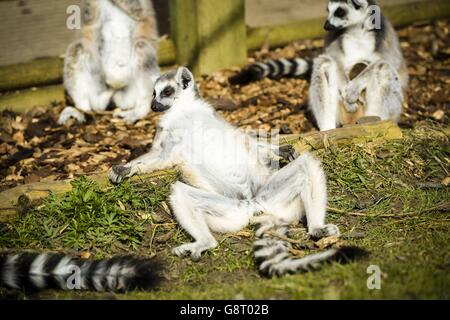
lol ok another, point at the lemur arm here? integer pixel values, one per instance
(360, 82)
(160, 157)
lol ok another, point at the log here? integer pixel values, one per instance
(209, 42)
(16, 200)
(351, 134)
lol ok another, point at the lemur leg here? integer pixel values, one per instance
(296, 191)
(384, 93)
(198, 212)
(324, 92)
(83, 82)
(135, 100)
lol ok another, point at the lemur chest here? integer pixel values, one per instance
(358, 47)
(117, 24)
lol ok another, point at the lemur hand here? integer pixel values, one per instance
(288, 153)
(351, 96)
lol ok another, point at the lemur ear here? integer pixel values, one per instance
(185, 78)
(359, 3)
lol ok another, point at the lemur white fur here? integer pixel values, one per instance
(226, 184)
(335, 97)
(115, 59)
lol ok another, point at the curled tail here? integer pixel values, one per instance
(34, 272)
(273, 258)
(272, 69)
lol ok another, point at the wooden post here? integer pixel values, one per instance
(209, 35)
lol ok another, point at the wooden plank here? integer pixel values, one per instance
(25, 100)
(209, 35)
(26, 75)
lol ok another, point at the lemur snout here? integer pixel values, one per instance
(329, 27)
(158, 107)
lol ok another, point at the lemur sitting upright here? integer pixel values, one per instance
(228, 182)
(115, 59)
(358, 36)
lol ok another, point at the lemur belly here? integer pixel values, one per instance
(116, 49)
(359, 47)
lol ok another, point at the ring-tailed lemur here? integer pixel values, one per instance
(115, 59)
(358, 34)
(229, 183)
(35, 272)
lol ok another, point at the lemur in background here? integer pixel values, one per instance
(114, 60)
(228, 182)
(362, 71)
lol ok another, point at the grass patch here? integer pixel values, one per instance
(388, 197)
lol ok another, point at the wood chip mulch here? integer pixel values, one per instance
(34, 148)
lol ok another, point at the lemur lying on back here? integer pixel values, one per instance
(358, 34)
(228, 182)
(115, 59)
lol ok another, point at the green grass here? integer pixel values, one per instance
(387, 197)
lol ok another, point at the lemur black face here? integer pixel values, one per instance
(345, 13)
(163, 95)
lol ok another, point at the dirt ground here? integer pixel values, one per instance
(34, 148)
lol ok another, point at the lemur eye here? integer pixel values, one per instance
(340, 13)
(167, 92)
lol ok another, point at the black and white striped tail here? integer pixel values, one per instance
(34, 272)
(273, 258)
(272, 69)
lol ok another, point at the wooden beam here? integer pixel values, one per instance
(209, 35)
(43, 72)
(14, 201)
(27, 99)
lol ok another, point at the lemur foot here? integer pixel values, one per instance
(328, 230)
(351, 96)
(71, 112)
(118, 173)
(129, 116)
(195, 249)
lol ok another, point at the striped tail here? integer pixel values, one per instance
(273, 258)
(34, 272)
(273, 69)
